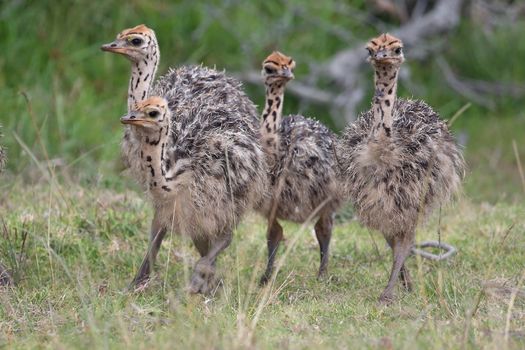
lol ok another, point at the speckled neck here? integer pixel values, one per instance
(272, 114)
(142, 75)
(384, 97)
(154, 159)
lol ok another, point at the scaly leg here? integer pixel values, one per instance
(274, 237)
(157, 233)
(404, 275)
(202, 279)
(401, 247)
(323, 232)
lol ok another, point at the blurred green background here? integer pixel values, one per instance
(50, 52)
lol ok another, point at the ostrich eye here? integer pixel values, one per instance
(269, 70)
(369, 52)
(397, 51)
(153, 114)
(136, 41)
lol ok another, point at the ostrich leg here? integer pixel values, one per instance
(202, 280)
(404, 275)
(401, 247)
(274, 238)
(323, 232)
(157, 234)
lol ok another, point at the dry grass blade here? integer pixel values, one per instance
(39, 165)
(511, 305)
(459, 113)
(518, 162)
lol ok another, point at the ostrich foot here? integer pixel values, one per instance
(322, 274)
(141, 279)
(265, 277)
(203, 279)
(386, 298)
(139, 286)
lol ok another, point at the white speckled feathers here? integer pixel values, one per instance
(395, 182)
(307, 167)
(213, 154)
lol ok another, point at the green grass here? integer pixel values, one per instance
(82, 246)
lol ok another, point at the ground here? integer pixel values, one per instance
(73, 251)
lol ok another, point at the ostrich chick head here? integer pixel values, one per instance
(137, 43)
(149, 116)
(277, 68)
(386, 49)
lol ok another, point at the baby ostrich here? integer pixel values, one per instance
(398, 160)
(302, 164)
(203, 171)
(194, 83)
(213, 155)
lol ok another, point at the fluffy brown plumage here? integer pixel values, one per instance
(300, 153)
(204, 169)
(211, 164)
(398, 161)
(188, 90)
(393, 184)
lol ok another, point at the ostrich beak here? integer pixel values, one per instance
(133, 119)
(115, 47)
(380, 55)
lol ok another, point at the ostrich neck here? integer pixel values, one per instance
(272, 114)
(153, 157)
(384, 97)
(142, 75)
